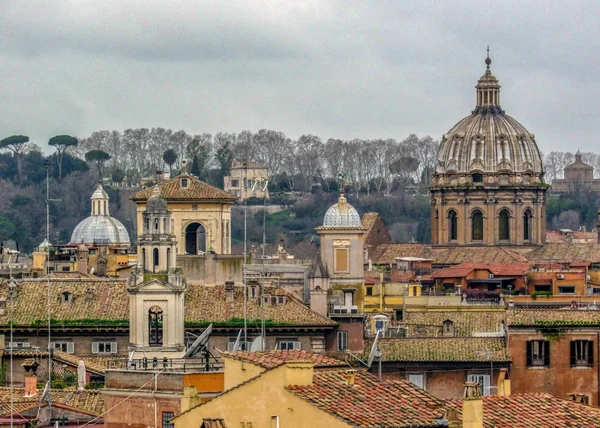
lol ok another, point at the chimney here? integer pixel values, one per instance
(190, 398)
(30, 367)
(350, 377)
(503, 383)
(229, 291)
(472, 406)
(299, 372)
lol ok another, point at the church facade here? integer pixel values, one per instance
(488, 187)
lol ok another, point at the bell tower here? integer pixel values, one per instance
(156, 287)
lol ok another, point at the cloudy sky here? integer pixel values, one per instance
(376, 69)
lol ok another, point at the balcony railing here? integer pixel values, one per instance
(166, 364)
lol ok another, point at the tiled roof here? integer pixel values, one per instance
(107, 300)
(272, 359)
(533, 411)
(93, 363)
(197, 190)
(532, 317)
(376, 233)
(108, 304)
(387, 253)
(208, 304)
(464, 322)
(87, 400)
(458, 255)
(499, 269)
(566, 252)
(249, 165)
(442, 349)
(370, 402)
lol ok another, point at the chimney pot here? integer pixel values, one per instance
(350, 377)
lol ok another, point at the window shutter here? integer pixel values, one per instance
(529, 349)
(70, 347)
(573, 352)
(94, 347)
(546, 353)
(297, 346)
(590, 352)
(113, 347)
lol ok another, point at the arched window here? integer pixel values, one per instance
(156, 224)
(155, 326)
(147, 225)
(452, 226)
(168, 259)
(477, 226)
(155, 257)
(527, 225)
(504, 225)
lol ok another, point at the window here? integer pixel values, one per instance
(155, 324)
(448, 328)
(483, 380)
(348, 298)
(477, 178)
(243, 346)
(503, 225)
(274, 421)
(66, 268)
(64, 347)
(235, 183)
(398, 315)
(341, 260)
(67, 297)
(477, 226)
(104, 347)
(582, 353)
(155, 256)
(289, 345)
(166, 417)
(253, 291)
(538, 353)
(379, 325)
(184, 183)
(527, 225)
(453, 226)
(342, 340)
(369, 291)
(566, 289)
(418, 379)
(19, 343)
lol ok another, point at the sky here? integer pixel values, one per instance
(336, 69)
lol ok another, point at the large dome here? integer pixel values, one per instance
(100, 228)
(342, 214)
(488, 141)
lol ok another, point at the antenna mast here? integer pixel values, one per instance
(49, 384)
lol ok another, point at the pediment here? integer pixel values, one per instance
(154, 285)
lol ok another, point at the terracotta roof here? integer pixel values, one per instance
(272, 359)
(375, 235)
(108, 305)
(208, 304)
(213, 423)
(107, 300)
(566, 252)
(442, 349)
(533, 317)
(465, 322)
(370, 402)
(93, 363)
(499, 269)
(533, 411)
(197, 190)
(387, 253)
(458, 255)
(88, 400)
(69, 275)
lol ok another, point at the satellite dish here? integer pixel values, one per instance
(257, 345)
(236, 345)
(374, 350)
(199, 343)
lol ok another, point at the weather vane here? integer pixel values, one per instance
(341, 177)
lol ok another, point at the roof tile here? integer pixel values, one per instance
(197, 190)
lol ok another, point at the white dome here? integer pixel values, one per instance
(100, 230)
(342, 214)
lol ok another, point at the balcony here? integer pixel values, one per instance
(343, 310)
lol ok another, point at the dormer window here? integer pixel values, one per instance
(67, 297)
(185, 183)
(448, 328)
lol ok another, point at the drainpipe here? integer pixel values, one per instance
(154, 396)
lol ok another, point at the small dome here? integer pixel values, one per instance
(342, 214)
(100, 230)
(44, 245)
(156, 203)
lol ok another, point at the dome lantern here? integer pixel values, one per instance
(488, 90)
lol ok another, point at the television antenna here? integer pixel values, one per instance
(374, 354)
(236, 345)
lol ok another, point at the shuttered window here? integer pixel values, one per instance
(582, 353)
(341, 260)
(538, 353)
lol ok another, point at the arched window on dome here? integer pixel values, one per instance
(477, 226)
(527, 225)
(452, 226)
(504, 225)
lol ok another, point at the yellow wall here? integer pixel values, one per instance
(237, 372)
(215, 217)
(256, 402)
